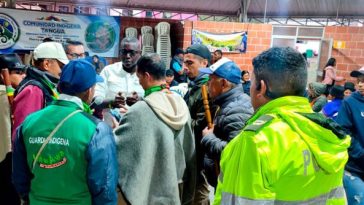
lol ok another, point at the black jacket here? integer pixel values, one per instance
(234, 111)
(194, 102)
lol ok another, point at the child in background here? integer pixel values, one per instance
(349, 88)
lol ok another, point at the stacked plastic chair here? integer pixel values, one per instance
(146, 29)
(147, 43)
(163, 42)
(147, 40)
(131, 32)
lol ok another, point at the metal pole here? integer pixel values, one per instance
(265, 10)
(337, 11)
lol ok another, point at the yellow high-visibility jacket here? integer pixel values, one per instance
(284, 155)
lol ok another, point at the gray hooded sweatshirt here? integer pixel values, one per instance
(156, 151)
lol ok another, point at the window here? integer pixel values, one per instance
(64, 9)
(149, 14)
(81, 10)
(101, 11)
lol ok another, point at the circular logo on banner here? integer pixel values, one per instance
(100, 37)
(9, 31)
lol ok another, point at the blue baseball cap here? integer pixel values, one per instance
(78, 76)
(224, 68)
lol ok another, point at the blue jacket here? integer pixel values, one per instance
(351, 117)
(101, 171)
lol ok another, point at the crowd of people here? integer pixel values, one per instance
(77, 131)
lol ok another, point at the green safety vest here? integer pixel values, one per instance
(60, 172)
(283, 157)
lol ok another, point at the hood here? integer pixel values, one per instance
(326, 140)
(38, 74)
(358, 96)
(317, 88)
(199, 80)
(171, 108)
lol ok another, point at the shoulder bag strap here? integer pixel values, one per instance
(51, 135)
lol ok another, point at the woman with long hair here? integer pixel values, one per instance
(329, 74)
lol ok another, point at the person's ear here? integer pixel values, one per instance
(45, 65)
(89, 94)
(261, 88)
(224, 83)
(205, 63)
(147, 75)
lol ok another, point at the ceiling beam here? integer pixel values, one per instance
(244, 7)
(291, 19)
(318, 22)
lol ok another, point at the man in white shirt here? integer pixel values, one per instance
(121, 84)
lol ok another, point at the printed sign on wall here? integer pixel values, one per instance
(233, 42)
(24, 30)
(339, 44)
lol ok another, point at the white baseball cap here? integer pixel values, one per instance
(51, 50)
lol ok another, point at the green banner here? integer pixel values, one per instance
(232, 42)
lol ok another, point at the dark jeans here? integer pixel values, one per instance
(210, 171)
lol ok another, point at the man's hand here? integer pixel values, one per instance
(123, 110)
(207, 131)
(119, 101)
(133, 99)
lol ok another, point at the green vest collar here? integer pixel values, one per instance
(67, 103)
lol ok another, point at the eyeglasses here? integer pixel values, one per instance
(125, 52)
(76, 55)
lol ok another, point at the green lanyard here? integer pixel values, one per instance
(10, 91)
(87, 108)
(154, 89)
(55, 94)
